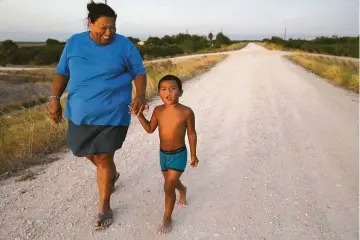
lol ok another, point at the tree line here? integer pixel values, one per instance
(339, 46)
(173, 45)
(154, 47)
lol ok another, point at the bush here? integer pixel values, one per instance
(51, 42)
(188, 46)
(221, 39)
(26, 55)
(156, 51)
(7, 49)
(49, 55)
(339, 46)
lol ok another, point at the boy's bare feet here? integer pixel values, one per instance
(182, 199)
(166, 226)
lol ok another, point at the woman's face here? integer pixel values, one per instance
(103, 29)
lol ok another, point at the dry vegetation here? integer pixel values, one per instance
(226, 48)
(28, 137)
(24, 89)
(223, 48)
(341, 72)
(36, 75)
(271, 46)
(277, 47)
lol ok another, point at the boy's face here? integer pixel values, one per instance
(169, 92)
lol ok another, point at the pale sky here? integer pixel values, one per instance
(37, 20)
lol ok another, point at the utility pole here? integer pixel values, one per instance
(285, 34)
(106, 2)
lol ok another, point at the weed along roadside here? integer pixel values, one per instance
(28, 137)
(22, 89)
(340, 72)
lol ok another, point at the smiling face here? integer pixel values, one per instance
(169, 92)
(103, 29)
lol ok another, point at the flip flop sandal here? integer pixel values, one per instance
(104, 220)
(114, 181)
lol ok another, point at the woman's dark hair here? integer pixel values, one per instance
(171, 78)
(97, 10)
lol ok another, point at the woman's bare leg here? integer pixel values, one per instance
(105, 174)
(91, 158)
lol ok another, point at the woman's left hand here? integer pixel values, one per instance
(137, 102)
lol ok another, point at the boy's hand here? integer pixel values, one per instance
(142, 108)
(194, 161)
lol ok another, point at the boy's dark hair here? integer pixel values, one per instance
(97, 10)
(171, 78)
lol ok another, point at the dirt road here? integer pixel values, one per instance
(278, 150)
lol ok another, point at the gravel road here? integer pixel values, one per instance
(278, 151)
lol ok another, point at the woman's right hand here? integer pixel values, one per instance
(55, 110)
(137, 102)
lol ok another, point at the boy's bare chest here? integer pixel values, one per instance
(172, 120)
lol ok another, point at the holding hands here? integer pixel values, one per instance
(138, 105)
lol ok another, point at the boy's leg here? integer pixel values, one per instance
(180, 187)
(165, 175)
(182, 192)
(179, 163)
(172, 182)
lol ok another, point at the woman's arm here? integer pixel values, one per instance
(62, 73)
(60, 82)
(59, 85)
(138, 71)
(140, 85)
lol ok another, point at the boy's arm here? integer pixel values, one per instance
(191, 132)
(151, 125)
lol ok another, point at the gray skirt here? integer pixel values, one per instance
(95, 139)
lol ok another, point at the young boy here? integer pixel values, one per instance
(174, 120)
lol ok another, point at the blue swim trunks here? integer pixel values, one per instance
(174, 160)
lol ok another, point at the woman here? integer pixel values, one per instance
(98, 67)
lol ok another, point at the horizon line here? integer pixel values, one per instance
(144, 37)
